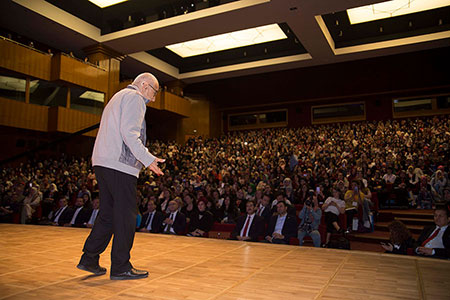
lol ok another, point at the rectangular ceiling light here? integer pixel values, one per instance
(230, 40)
(392, 8)
(106, 3)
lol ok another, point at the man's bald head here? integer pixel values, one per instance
(147, 84)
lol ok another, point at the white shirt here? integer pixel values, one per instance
(437, 242)
(59, 214)
(93, 216)
(172, 216)
(75, 215)
(150, 219)
(261, 209)
(249, 224)
(280, 224)
(333, 209)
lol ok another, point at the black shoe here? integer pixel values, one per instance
(132, 274)
(96, 270)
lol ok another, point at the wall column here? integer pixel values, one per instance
(109, 60)
(27, 90)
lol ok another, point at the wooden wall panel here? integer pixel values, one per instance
(159, 101)
(24, 60)
(124, 84)
(177, 104)
(21, 115)
(70, 121)
(71, 70)
(198, 122)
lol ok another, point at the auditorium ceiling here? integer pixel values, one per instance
(300, 33)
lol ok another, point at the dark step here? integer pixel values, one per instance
(373, 237)
(383, 226)
(389, 214)
(417, 214)
(415, 221)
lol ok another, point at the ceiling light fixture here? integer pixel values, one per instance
(106, 3)
(230, 40)
(391, 8)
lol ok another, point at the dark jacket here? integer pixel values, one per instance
(205, 223)
(179, 224)
(266, 214)
(231, 214)
(408, 244)
(157, 221)
(65, 217)
(439, 252)
(255, 230)
(82, 217)
(289, 228)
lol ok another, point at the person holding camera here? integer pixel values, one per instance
(310, 217)
(355, 199)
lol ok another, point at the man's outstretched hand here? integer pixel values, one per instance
(154, 166)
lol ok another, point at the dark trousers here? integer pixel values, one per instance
(117, 215)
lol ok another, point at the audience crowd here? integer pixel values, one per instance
(273, 174)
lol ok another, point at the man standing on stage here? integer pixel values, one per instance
(119, 155)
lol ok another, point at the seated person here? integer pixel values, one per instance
(189, 207)
(228, 212)
(249, 226)
(93, 213)
(62, 215)
(264, 208)
(425, 198)
(354, 200)
(282, 226)
(175, 221)
(310, 217)
(80, 214)
(333, 207)
(152, 219)
(434, 241)
(400, 239)
(201, 221)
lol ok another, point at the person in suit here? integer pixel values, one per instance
(93, 213)
(434, 241)
(63, 214)
(80, 214)
(201, 221)
(175, 221)
(264, 208)
(153, 219)
(282, 226)
(249, 226)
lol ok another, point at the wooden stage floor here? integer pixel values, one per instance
(39, 262)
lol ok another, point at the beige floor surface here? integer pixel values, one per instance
(39, 262)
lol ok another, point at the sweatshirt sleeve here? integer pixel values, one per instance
(132, 116)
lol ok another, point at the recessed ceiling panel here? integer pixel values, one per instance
(392, 8)
(236, 39)
(106, 3)
(346, 34)
(259, 50)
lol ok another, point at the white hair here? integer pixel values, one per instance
(144, 77)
